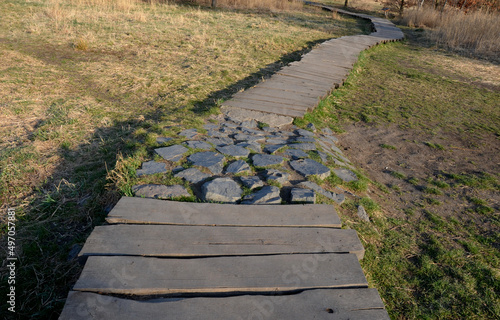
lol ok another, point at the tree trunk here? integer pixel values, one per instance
(345, 3)
(214, 3)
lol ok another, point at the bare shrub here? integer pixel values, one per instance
(476, 32)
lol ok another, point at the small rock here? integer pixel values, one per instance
(177, 169)
(172, 153)
(339, 198)
(272, 148)
(327, 131)
(74, 251)
(210, 126)
(221, 190)
(276, 175)
(323, 156)
(295, 154)
(269, 129)
(159, 191)
(299, 195)
(332, 139)
(311, 126)
(238, 167)
(303, 146)
(252, 146)
(276, 141)
(216, 134)
(345, 174)
(189, 133)
(221, 141)
(198, 145)
(265, 160)
(162, 140)
(304, 133)
(248, 138)
(213, 161)
(193, 175)
(266, 195)
(309, 167)
(230, 125)
(249, 124)
(251, 182)
(252, 131)
(362, 214)
(304, 139)
(234, 151)
(151, 167)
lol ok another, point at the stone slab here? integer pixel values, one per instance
(151, 167)
(172, 153)
(158, 191)
(193, 175)
(224, 190)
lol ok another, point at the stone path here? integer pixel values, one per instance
(237, 162)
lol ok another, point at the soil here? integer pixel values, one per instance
(413, 158)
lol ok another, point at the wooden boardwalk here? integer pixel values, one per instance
(298, 87)
(174, 260)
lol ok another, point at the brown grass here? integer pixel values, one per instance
(273, 5)
(476, 32)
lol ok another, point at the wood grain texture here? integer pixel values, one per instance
(221, 275)
(201, 241)
(354, 304)
(151, 211)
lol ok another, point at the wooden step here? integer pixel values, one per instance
(326, 304)
(135, 210)
(202, 241)
(220, 276)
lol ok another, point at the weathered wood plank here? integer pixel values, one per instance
(202, 241)
(354, 304)
(151, 211)
(303, 104)
(220, 275)
(313, 77)
(273, 108)
(284, 96)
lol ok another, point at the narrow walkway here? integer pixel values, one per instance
(298, 88)
(176, 260)
(159, 259)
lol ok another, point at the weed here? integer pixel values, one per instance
(434, 145)
(414, 181)
(398, 175)
(432, 190)
(388, 146)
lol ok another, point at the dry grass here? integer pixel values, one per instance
(273, 5)
(477, 32)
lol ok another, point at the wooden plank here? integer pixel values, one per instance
(270, 108)
(314, 77)
(307, 81)
(202, 241)
(293, 86)
(312, 304)
(305, 104)
(221, 275)
(151, 211)
(285, 96)
(332, 75)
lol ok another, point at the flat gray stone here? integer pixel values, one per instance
(303, 146)
(198, 145)
(151, 167)
(251, 182)
(234, 151)
(272, 148)
(238, 166)
(311, 126)
(159, 191)
(216, 134)
(327, 131)
(332, 139)
(252, 146)
(276, 141)
(213, 161)
(228, 131)
(345, 174)
(162, 140)
(299, 195)
(266, 195)
(251, 131)
(177, 169)
(269, 129)
(221, 190)
(172, 153)
(338, 198)
(304, 139)
(276, 175)
(249, 124)
(211, 126)
(323, 156)
(189, 133)
(309, 167)
(304, 133)
(247, 137)
(230, 124)
(193, 175)
(265, 160)
(362, 214)
(220, 141)
(295, 154)
(273, 120)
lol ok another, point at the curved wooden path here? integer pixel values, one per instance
(160, 259)
(298, 87)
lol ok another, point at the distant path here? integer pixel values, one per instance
(299, 87)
